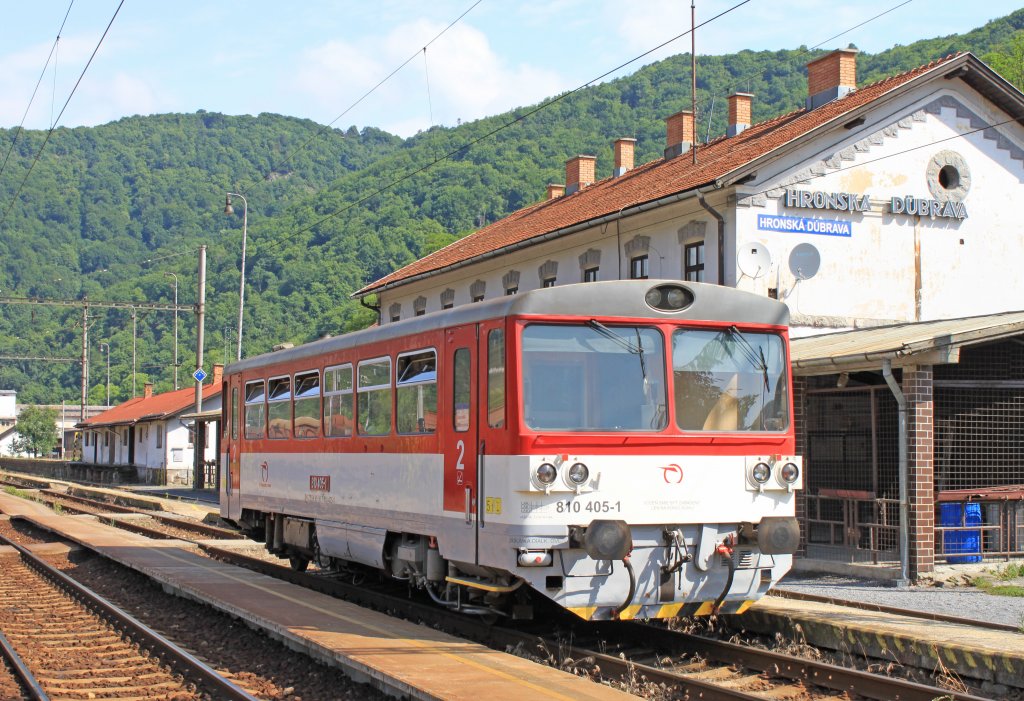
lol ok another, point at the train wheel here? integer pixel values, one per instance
(298, 563)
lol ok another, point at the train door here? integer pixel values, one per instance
(462, 430)
(230, 498)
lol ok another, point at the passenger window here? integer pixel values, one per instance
(417, 392)
(338, 401)
(255, 411)
(307, 405)
(279, 407)
(496, 378)
(373, 397)
(460, 401)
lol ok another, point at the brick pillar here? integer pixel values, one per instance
(917, 386)
(800, 427)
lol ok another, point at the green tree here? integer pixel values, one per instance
(37, 429)
(1008, 60)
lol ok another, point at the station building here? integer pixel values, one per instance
(152, 435)
(873, 212)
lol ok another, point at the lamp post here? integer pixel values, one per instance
(228, 209)
(107, 345)
(175, 327)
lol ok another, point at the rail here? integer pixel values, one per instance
(28, 680)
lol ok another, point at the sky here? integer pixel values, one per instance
(314, 59)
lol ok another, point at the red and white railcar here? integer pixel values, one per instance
(623, 448)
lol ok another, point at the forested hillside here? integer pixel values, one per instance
(109, 210)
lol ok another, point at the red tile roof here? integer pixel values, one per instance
(159, 406)
(648, 182)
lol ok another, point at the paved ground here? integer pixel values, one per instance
(946, 595)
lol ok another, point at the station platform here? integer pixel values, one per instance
(993, 656)
(396, 656)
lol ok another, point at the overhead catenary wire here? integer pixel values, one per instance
(288, 157)
(472, 142)
(49, 132)
(42, 74)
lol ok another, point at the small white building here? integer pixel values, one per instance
(149, 433)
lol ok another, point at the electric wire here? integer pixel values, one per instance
(42, 74)
(49, 133)
(472, 142)
(291, 154)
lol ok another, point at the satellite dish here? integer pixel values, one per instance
(804, 261)
(753, 259)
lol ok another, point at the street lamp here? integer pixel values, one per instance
(108, 370)
(228, 209)
(175, 327)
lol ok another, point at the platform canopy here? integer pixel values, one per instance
(912, 343)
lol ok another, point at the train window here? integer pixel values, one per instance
(255, 410)
(373, 397)
(417, 392)
(592, 377)
(338, 401)
(307, 405)
(461, 377)
(234, 413)
(496, 378)
(279, 407)
(728, 380)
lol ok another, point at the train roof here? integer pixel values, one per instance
(610, 299)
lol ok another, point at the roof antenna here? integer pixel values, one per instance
(711, 113)
(693, 72)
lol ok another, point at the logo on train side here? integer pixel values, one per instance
(319, 483)
(672, 473)
(264, 474)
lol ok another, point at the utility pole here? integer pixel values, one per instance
(201, 321)
(85, 356)
(693, 75)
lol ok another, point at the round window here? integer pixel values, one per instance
(948, 176)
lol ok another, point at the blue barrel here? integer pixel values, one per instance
(955, 515)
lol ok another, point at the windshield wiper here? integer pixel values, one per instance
(637, 350)
(754, 357)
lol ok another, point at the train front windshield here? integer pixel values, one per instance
(592, 377)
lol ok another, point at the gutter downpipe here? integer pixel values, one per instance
(901, 401)
(721, 233)
(375, 308)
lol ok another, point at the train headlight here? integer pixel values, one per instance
(545, 474)
(578, 474)
(669, 298)
(761, 472)
(790, 473)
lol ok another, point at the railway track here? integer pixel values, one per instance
(696, 667)
(167, 526)
(79, 646)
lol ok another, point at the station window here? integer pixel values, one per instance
(639, 267)
(373, 397)
(447, 305)
(255, 411)
(693, 262)
(548, 282)
(417, 392)
(590, 274)
(338, 401)
(279, 407)
(509, 291)
(307, 405)
(496, 378)
(159, 435)
(124, 437)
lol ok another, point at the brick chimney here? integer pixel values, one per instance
(623, 156)
(218, 373)
(555, 191)
(680, 134)
(579, 172)
(739, 112)
(147, 390)
(831, 76)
